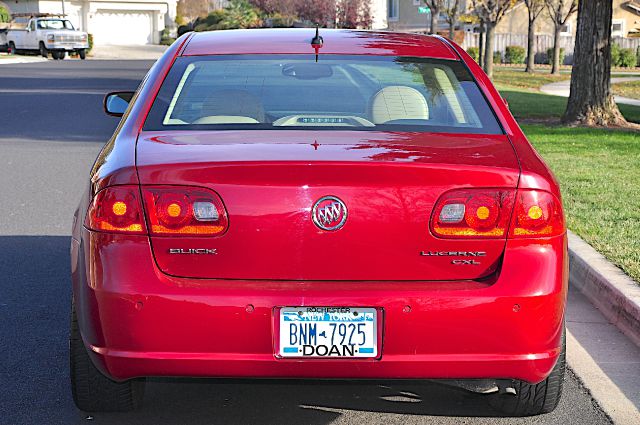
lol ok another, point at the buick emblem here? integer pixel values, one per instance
(329, 213)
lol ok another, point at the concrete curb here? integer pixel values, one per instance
(614, 293)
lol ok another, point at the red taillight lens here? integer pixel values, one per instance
(181, 210)
(537, 213)
(473, 213)
(116, 209)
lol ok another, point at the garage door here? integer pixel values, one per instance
(122, 27)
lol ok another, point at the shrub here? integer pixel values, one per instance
(638, 56)
(622, 57)
(238, 14)
(279, 20)
(4, 14)
(474, 52)
(183, 29)
(90, 40)
(497, 57)
(550, 55)
(514, 54)
(165, 38)
(615, 54)
(627, 58)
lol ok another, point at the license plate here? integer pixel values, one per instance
(328, 332)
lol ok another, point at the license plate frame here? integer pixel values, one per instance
(329, 331)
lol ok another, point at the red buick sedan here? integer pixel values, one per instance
(348, 204)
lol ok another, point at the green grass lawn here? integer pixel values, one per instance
(529, 104)
(519, 79)
(599, 174)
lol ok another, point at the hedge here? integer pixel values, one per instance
(514, 54)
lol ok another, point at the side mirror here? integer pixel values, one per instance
(116, 103)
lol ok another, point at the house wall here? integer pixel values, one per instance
(408, 17)
(629, 17)
(516, 21)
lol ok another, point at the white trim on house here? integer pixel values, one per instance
(620, 32)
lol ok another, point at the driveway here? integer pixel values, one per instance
(146, 52)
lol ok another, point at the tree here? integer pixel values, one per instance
(491, 13)
(534, 9)
(192, 9)
(353, 13)
(435, 6)
(451, 13)
(590, 99)
(560, 11)
(242, 14)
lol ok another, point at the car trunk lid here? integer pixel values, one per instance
(269, 182)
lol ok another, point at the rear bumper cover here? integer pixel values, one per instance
(137, 321)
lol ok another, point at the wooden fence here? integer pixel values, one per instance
(542, 43)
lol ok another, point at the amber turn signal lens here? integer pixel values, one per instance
(537, 213)
(116, 209)
(184, 211)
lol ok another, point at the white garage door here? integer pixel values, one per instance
(122, 27)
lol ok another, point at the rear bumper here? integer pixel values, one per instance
(137, 321)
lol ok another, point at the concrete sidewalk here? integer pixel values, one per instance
(561, 88)
(6, 59)
(146, 52)
(604, 359)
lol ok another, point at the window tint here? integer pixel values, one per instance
(355, 92)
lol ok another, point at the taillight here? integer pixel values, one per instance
(116, 209)
(473, 213)
(537, 213)
(182, 210)
(487, 213)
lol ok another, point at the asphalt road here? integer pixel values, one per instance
(51, 128)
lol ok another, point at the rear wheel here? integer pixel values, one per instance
(92, 391)
(12, 48)
(43, 50)
(533, 399)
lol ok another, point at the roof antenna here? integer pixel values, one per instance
(317, 42)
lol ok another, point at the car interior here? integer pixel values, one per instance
(337, 93)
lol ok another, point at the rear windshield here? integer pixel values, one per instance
(337, 92)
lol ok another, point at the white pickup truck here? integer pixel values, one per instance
(48, 35)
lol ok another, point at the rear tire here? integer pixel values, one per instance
(92, 391)
(43, 50)
(534, 399)
(55, 55)
(12, 48)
